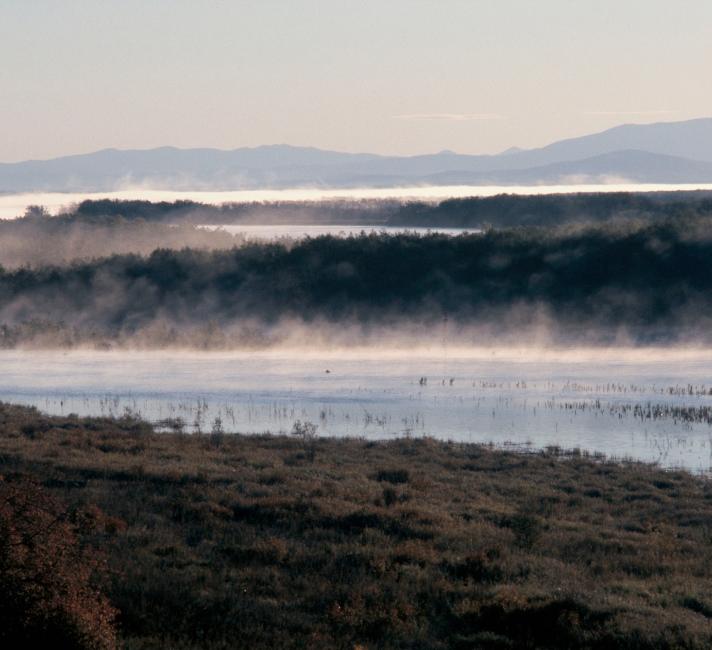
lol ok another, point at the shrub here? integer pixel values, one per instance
(394, 476)
(306, 431)
(526, 529)
(47, 598)
(217, 433)
(390, 496)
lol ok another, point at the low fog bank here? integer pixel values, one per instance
(38, 240)
(621, 283)
(389, 345)
(518, 340)
(101, 228)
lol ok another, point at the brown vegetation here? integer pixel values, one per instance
(46, 595)
(231, 541)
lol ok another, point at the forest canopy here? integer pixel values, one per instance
(647, 278)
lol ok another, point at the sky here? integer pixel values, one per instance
(384, 76)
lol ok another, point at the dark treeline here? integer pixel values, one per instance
(649, 279)
(286, 212)
(504, 210)
(507, 210)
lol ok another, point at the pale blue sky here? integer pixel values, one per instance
(388, 76)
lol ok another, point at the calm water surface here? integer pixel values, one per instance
(644, 406)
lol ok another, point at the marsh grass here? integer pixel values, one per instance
(400, 544)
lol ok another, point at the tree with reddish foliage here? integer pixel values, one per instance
(46, 594)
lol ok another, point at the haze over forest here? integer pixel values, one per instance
(141, 273)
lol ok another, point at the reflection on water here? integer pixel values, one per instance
(648, 407)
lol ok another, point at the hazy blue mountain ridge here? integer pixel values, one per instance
(676, 152)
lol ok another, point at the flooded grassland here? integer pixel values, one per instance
(647, 405)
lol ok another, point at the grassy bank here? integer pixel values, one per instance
(270, 542)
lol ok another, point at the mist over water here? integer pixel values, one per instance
(472, 338)
(643, 403)
(252, 232)
(14, 205)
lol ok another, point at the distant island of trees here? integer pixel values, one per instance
(501, 211)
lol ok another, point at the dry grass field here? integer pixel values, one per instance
(221, 541)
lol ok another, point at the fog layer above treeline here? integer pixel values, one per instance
(641, 281)
(35, 241)
(94, 229)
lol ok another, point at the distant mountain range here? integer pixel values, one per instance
(673, 152)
